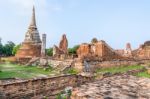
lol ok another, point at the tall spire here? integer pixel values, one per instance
(32, 35)
(33, 20)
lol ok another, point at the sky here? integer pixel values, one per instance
(115, 21)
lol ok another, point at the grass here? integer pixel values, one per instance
(143, 74)
(124, 69)
(120, 69)
(72, 71)
(8, 70)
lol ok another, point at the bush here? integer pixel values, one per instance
(15, 49)
(73, 50)
(49, 52)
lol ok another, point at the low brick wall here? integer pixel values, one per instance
(108, 64)
(93, 65)
(38, 88)
(116, 63)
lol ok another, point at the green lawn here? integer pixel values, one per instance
(8, 70)
(121, 69)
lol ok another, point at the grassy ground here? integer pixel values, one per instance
(121, 69)
(124, 69)
(71, 71)
(8, 70)
(143, 74)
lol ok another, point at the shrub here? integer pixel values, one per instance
(49, 52)
(73, 50)
(15, 49)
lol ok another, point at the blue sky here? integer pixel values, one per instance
(115, 21)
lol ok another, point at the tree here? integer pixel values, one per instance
(1, 49)
(15, 49)
(8, 48)
(0, 40)
(94, 40)
(73, 50)
(49, 52)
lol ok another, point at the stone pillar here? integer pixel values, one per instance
(128, 50)
(43, 53)
(128, 46)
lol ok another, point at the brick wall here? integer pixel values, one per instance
(99, 50)
(116, 63)
(37, 88)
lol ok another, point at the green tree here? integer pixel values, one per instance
(0, 40)
(15, 49)
(1, 49)
(49, 52)
(8, 48)
(94, 40)
(73, 50)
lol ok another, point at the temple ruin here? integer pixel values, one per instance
(81, 69)
(100, 50)
(127, 52)
(62, 50)
(32, 46)
(143, 52)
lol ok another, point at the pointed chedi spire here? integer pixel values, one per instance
(33, 20)
(32, 35)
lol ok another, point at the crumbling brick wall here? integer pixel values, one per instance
(99, 49)
(38, 88)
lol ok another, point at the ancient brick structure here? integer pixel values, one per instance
(143, 52)
(31, 47)
(79, 65)
(114, 87)
(63, 45)
(83, 50)
(127, 52)
(40, 88)
(56, 51)
(120, 51)
(99, 49)
(62, 50)
(29, 50)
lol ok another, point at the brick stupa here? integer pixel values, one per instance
(31, 47)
